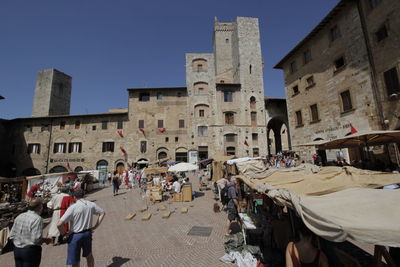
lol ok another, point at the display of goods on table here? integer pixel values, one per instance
(8, 212)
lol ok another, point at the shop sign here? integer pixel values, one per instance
(66, 160)
(333, 129)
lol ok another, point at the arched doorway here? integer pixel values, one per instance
(102, 167)
(58, 169)
(120, 167)
(78, 169)
(31, 172)
(278, 136)
(321, 153)
(162, 155)
(141, 163)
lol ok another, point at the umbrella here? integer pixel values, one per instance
(183, 167)
(142, 161)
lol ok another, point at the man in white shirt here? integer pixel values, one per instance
(80, 216)
(176, 186)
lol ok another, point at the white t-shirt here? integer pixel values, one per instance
(177, 186)
(80, 215)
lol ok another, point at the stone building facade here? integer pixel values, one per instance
(336, 78)
(221, 109)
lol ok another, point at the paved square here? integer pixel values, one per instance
(157, 242)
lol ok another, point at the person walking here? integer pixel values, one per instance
(80, 218)
(55, 205)
(115, 183)
(26, 234)
(233, 204)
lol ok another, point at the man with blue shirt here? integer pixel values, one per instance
(80, 216)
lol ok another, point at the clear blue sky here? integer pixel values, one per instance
(110, 45)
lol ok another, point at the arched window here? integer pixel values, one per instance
(252, 102)
(58, 169)
(120, 167)
(201, 110)
(200, 88)
(230, 150)
(162, 155)
(199, 65)
(78, 169)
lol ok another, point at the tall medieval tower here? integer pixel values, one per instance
(226, 91)
(52, 94)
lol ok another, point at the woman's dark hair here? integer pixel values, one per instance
(115, 172)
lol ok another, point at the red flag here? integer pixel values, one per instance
(123, 150)
(245, 142)
(352, 129)
(161, 129)
(141, 129)
(120, 133)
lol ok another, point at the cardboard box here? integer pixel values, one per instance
(178, 197)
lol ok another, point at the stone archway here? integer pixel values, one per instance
(278, 136)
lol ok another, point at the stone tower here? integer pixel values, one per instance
(226, 91)
(52, 94)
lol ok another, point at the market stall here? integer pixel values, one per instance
(335, 203)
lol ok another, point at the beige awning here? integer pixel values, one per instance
(371, 138)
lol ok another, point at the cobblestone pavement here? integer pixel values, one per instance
(157, 242)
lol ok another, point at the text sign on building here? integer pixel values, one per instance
(193, 156)
(67, 160)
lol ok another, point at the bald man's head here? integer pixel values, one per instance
(36, 205)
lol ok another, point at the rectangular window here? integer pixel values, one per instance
(374, 3)
(166, 139)
(160, 96)
(199, 67)
(75, 147)
(229, 118)
(120, 125)
(254, 138)
(310, 81)
(230, 138)
(314, 113)
(160, 124)
(201, 112)
(94, 127)
(253, 116)
(293, 67)
(104, 125)
(201, 90)
(77, 124)
(392, 81)
(335, 33)
(141, 124)
(295, 90)
(176, 139)
(45, 128)
(108, 146)
(307, 56)
(144, 97)
(346, 101)
(256, 152)
(59, 148)
(339, 63)
(62, 125)
(181, 123)
(299, 118)
(381, 34)
(143, 146)
(228, 96)
(33, 148)
(202, 130)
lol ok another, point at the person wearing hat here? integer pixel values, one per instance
(80, 218)
(26, 234)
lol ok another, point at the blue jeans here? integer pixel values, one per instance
(28, 257)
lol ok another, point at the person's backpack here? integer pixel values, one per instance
(224, 195)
